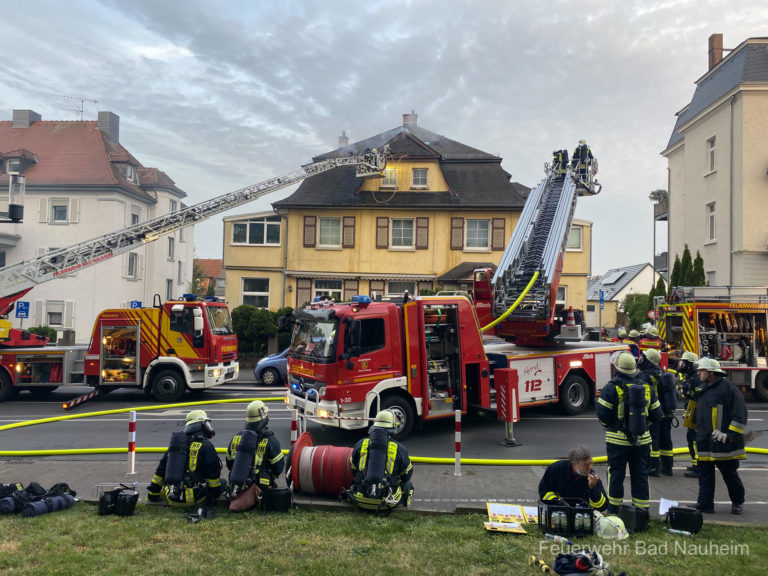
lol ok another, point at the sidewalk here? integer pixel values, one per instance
(437, 489)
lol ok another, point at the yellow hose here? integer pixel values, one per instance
(515, 305)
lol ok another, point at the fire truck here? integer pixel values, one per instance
(430, 356)
(164, 349)
(722, 322)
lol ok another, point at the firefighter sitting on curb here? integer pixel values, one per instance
(188, 473)
(663, 383)
(625, 408)
(254, 457)
(381, 468)
(573, 479)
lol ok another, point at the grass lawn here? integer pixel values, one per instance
(159, 540)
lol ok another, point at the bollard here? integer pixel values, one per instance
(507, 402)
(294, 426)
(457, 469)
(132, 440)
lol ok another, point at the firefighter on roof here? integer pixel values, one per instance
(188, 473)
(573, 478)
(381, 467)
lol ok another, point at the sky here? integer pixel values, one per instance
(224, 94)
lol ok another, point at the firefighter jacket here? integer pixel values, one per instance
(647, 342)
(651, 375)
(201, 478)
(560, 481)
(612, 411)
(720, 406)
(397, 471)
(268, 462)
(632, 346)
(581, 155)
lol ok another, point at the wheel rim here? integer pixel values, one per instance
(269, 377)
(401, 418)
(575, 395)
(167, 386)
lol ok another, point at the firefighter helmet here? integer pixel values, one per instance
(385, 419)
(256, 411)
(611, 528)
(690, 357)
(710, 365)
(634, 334)
(653, 331)
(626, 364)
(196, 416)
(652, 355)
(583, 142)
(622, 332)
(197, 421)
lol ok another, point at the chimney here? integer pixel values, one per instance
(343, 140)
(409, 120)
(109, 123)
(715, 50)
(25, 118)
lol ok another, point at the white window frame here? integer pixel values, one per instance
(393, 234)
(171, 248)
(330, 288)
(389, 180)
(564, 299)
(168, 289)
(320, 224)
(58, 203)
(254, 293)
(50, 306)
(389, 288)
(416, 182)
(172, 206)
(268, 222)
(467, 247)
(133, 265)
(711, 222)
(13, 166)
(135, 216)
(575, 242)
(711, 154)
(180, 272)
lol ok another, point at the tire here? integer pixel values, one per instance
(41, 391)
(270, 377)
(761, 387)
(6, 389)
(404, 415)
(168, 386)
(574, 395)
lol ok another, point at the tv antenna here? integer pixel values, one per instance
(81, 100)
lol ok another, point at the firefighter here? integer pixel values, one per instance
(254, 456)
(686, 371)
(651, 373)
(188, 473)
(650, 339)
(625, 409)
(721, 416)
(381, 467)
(631, 339)
(582, 159)
(573, 478)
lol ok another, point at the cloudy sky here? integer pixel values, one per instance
(220, 95)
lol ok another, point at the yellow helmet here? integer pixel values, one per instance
(196, 416)
(385, 419)
(622, 332)
(690, 357)
(653, 331)
(634, 334)
(652, 355)
(710, 365)
(625, 363)
(582, 142)
(256, 411)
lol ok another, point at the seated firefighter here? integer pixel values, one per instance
(381, 468)
(188, 473)
(573, 479)
(254, 456)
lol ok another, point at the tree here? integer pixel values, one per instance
(194, 287)
(661, 287)
(636, 307)
(658, 196)
(674, 279)
(283, 336)
(686, 268)
(699, 278)
(253, 327)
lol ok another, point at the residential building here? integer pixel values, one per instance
(716, 159)
(82, 183)
(439, 210)
(212, 270)
(617, 284)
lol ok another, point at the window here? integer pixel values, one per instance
(419, 176)
(711, 278)
(169, 289)
(590, 307)
(2, 258)
(13, 166)
(257, 232)
(171, 247)
(574, 239)
(329, 232)
(129, 172)
(181, 234)
(561, 293)
(256, 292)
(328, 288)
(711, 146)
(133, 266)
(59, 210)
(372, 335)
(402, 233)
(135, 215)
(390, 178)
(180, 273)
(710, 224)
(172, 206)
(54, 310)
(477, 234)
(398, 288)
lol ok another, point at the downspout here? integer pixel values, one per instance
(285, 259)
(730, 198)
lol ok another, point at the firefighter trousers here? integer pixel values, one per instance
(690, 436)
(655, 430)
(637, 457)
(729, 469)
(665, 445)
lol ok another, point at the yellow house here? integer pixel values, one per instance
(439, 210)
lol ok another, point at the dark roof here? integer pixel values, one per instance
(613, 282)
(463, 270)
(475, 178)
(747, 63)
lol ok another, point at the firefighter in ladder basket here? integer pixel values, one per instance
(381, 467)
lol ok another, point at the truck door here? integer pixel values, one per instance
(368, 351)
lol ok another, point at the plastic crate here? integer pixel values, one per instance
(566, 518)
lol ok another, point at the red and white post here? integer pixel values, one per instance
(132, 441)
(294, 426)
(457, 467)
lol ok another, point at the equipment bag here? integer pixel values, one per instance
(176, 464)
(668, 391)
(244, 460)
(108, 502)
(635, 519)
(277, 500)
(126, 502)
(688, 519)
(49, 503)
(636, 417)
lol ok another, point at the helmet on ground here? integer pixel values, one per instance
(385, 419)
(625, 363)
(611, 528)
(582, 142)
(653, 331)
(652, 355)
(634, 334)
(690, 357)
(710, 365)
(256, 411)
(622, 332)
(196, 416)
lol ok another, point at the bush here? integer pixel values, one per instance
(45, 331)
(253, 327)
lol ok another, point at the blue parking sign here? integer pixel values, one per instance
(22, 309)
(135, 303)
(602, 299)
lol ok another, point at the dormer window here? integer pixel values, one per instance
(129, 172)
(13, 166)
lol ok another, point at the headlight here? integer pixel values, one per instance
(322, 413)
(215, 373)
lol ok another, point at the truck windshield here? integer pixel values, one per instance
(316, 339)
(220, 320)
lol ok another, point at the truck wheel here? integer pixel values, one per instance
(6, 390)
(404, 416)
(761, 386)
(574, 395)
(168, 386)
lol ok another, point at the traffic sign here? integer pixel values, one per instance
(135, 303)
(22, 309)
(602, 299)
(651, 314)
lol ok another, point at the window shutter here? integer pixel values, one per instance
(497, 234)
(303, 291)
(457, 233)
(351, 288)
(348, 232)
(74, 210)
(37, 314)
(382, 232)
(69, 313)
(43, 210)
(310, 225)
(126, 260)
(140, 267)
(422, 233)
